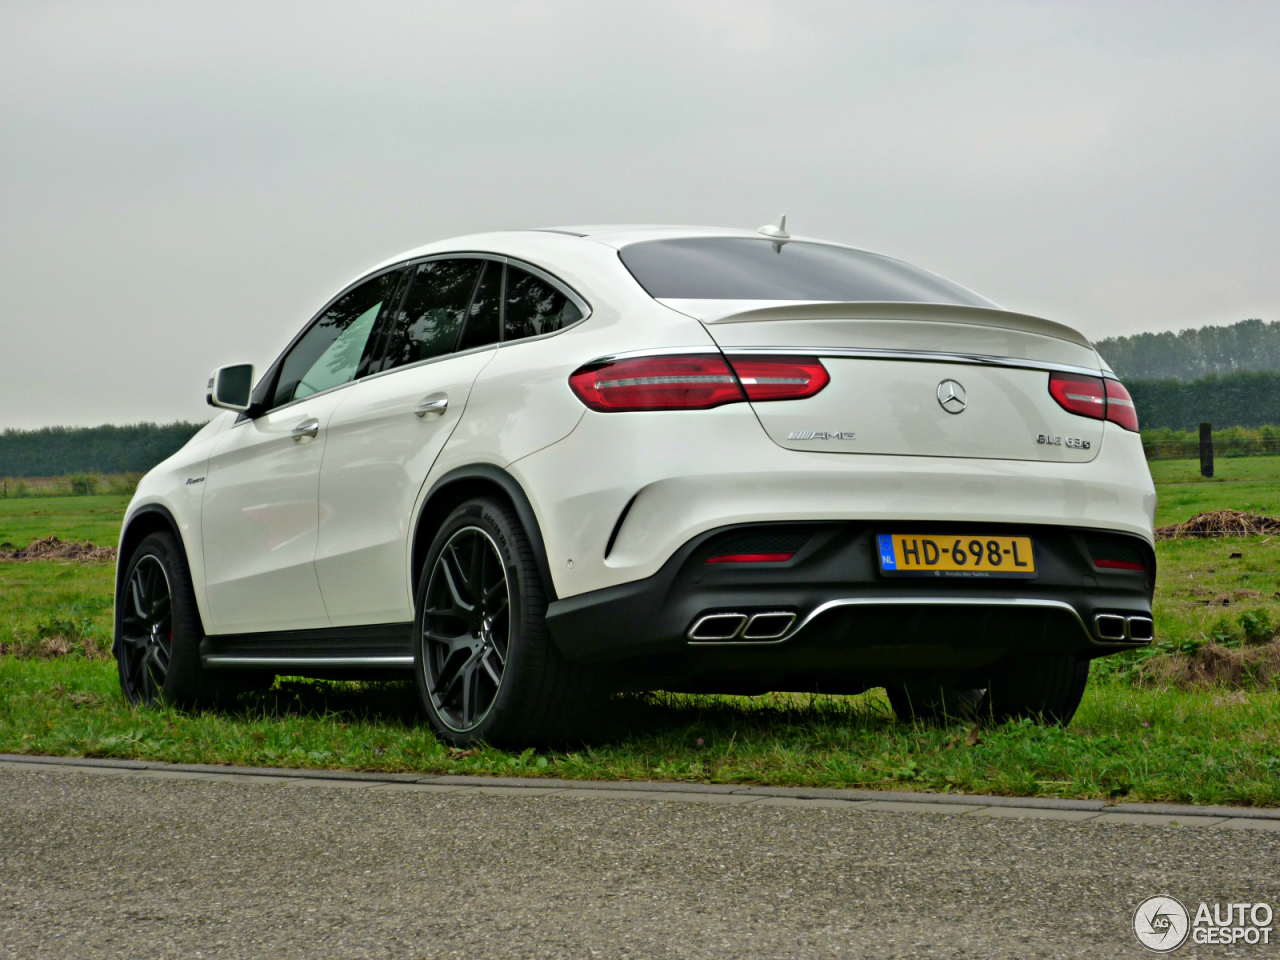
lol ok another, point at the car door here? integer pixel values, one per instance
(388, 430)
(260, 513)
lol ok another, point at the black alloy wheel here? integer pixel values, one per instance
(146, 631)
(158, 631)
(466, 633)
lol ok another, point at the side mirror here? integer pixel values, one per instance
(231, 387)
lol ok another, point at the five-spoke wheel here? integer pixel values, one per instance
(466, 631)
(146, 631)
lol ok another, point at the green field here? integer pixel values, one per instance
(96, 519)
(59, 695)
(1225, 470)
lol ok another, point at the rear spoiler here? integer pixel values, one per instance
(748, 311)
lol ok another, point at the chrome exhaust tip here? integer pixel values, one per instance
(769, 626)
(1141, 628)
(1110, 626)
(717, 627)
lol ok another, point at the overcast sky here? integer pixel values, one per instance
(183, 184)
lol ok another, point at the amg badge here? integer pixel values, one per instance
(822, 435)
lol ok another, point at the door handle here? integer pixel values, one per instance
(436, 406)
(307, 428)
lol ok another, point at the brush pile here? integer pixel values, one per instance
(51, 548)
(1215, 666)
(1220, 523)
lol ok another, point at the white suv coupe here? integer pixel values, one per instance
(532, 467)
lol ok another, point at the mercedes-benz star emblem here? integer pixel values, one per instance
(952, 397)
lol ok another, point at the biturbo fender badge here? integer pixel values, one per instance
(1053, 441)
(952, 397)
(822, 435)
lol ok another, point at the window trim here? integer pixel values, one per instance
(583, 307)
(273, 371)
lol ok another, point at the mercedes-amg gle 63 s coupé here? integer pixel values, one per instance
(531, 468)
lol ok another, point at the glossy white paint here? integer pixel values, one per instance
(692, 473)
(177, 485)
(316, 533)
(260, 519)
(892, 407)
(378, 453)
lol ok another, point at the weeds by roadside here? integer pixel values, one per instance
(1126, 742)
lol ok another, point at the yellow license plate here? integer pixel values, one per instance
(948, 555)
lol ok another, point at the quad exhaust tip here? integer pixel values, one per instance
(1113, 626)
(741, 627)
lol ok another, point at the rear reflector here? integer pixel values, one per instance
(752, 558)
(1120, 408)
(695, 382)
(1085, 396)
(1119, 565)
(780, 378)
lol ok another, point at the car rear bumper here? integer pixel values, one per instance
(829, 616)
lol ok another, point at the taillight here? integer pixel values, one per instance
(1085, 396)
(780, 378)
(694, 382)
(1120, 408)
(1094, 397)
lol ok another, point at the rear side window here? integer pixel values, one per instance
(744, 268)
(334, 349)
(430, 318)
(483, 317)
(532, 306)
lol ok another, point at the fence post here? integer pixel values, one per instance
(1206, 449)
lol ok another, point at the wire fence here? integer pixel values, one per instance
(1222, 447)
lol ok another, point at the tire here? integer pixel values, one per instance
(1045, 689)
(485, 665)
(934, 703)
(158, 629)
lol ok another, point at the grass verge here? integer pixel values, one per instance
(1126, 742)
(1138, 735)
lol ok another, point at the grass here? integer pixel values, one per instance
(1127, 741)
(93, 518)
(1225, 470)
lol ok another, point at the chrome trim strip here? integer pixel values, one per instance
(651, 352)
(229, 660)
(911, 602)
(923, 356)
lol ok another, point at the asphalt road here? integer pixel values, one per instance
(98, 864)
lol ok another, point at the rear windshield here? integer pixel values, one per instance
(743, 268)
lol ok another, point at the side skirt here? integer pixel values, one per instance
(381, 647)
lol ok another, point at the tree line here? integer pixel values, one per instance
(55, 451)
(1195, 353)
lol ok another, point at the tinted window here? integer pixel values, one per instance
(743, 268)
(482, 318)
(334, 350)
(430, 318)
(534, 306)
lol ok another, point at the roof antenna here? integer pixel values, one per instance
(776, 233)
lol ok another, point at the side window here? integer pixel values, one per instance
(534, 306)
(335, 348)
(430, 318)
(482, 318)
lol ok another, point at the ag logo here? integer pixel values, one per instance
(1161, 923)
